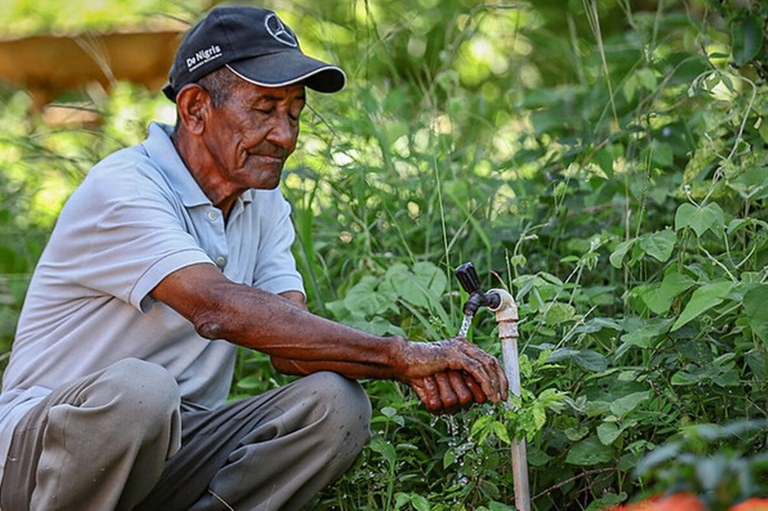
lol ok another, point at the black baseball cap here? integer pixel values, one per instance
(254, 44)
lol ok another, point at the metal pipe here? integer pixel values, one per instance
(506, 318)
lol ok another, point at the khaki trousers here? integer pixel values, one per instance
(121, 439)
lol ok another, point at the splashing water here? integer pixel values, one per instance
(466, 322)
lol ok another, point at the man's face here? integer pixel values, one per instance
(252, 133)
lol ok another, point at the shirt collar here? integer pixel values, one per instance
(161, 150)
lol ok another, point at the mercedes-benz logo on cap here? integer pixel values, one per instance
(277, 30)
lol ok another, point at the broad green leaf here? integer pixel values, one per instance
(747, 39)
(380, 445)
(647, 79)
(756, 361)
(559, 312)
(644, 336)
(362, 297)
(622, 406)
(753, 182)
(755, 301)
(683, 378)
(659, 298)
(609, 501)
(449, 458)
(431, 277)
(763, 129)
(500, 431)
(606, 156)
(699, 219)
(420, 503)
(703, 299)
(621, 250)
(589, 451)
(591, 360)
(537, 457)
(662, 155)
(498, 506)
(659, 245)
(630, 86)
(608, 432)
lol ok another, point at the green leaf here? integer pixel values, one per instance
(608, 432)
(703, 299)
(622, 406)
(747, 39)
(621, 250)
(591, 360)
(699, 219)
(420, 503)
(449, 458)
(659, 245)
(500, 431)
(756, 361)
(659, 298)
(380, 445)
(644, 336)
(647, 79)
(683, 378)
(589, 451)
(608, 501)
(662, 155)
(755, 301)
(431, 277)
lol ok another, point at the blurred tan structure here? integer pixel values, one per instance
(47, 65)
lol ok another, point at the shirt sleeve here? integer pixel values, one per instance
(121, 233)
(276, 267)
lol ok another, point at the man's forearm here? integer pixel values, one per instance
(220, 309)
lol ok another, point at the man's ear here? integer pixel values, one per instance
(193, 104)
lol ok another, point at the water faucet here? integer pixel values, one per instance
(467, 276)
(503, 304)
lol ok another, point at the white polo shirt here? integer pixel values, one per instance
(138, 216)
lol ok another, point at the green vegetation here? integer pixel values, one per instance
(605, 161)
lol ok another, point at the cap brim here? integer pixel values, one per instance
(287, 68)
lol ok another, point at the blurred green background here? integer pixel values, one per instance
(602, 159)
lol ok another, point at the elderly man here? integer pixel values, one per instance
(169, 256)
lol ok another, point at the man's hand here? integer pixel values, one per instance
(451, 374)
(448, 392)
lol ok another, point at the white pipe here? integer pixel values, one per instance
(506, 318)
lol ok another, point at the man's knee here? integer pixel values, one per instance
(347, 411)
(142, 392)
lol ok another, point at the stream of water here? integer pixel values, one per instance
(466, 322)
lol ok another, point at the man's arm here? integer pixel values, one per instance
(282, 328)
(446, 392)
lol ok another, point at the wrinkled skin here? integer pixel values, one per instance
(242, 144)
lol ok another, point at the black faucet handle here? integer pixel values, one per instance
(468, 278)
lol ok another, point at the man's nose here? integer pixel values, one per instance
(283, 131)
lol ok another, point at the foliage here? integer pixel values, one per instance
(604, 161)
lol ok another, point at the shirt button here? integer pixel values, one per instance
(221, 261)
(212, 215)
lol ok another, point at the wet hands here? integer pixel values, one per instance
(450, 375)
(448, 392)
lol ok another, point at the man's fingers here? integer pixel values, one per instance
(477, 393)
(463, 392)
(486, 371)
(427, 391)
(447, 394)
